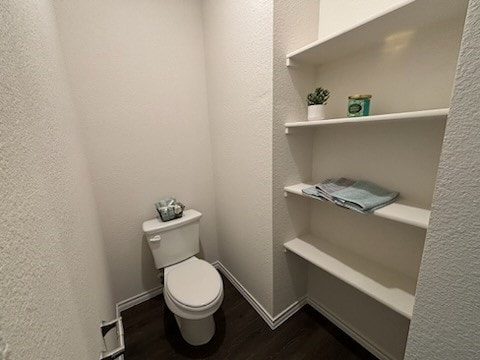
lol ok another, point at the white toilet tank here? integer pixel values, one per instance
(173, 241)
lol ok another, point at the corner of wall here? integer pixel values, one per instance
(295, 24)
(446, 301)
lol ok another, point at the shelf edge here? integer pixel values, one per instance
(385, 212)
(410, 115)
(347, 30)
(344, 272)
(396, 18)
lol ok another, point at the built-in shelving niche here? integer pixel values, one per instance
(386, 284)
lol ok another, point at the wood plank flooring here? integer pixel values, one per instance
(151, 333)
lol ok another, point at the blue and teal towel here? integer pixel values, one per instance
(362, 196)
(326, 188)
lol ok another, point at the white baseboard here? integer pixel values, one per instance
(288, 312)
(273, 322)
(349, 330)
(137, 299)
(250, 299)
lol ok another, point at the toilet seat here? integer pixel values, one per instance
(194, 286)
(192, 313)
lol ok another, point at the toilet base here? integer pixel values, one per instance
(196, 332)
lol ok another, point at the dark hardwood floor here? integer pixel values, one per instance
(151, 333)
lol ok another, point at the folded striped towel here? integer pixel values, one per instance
(331, 186)
(326, 188)
(362, 196)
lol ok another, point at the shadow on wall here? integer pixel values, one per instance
(149, 271)
(201, 253)
(300, 144)
(303, 80)
(298, 210)
(297, 268)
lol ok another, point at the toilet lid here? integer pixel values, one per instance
(194, 284)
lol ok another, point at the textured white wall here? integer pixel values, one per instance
(295, 25)
(138, 76)
(446, 317)
(339, 15)
(54, 286)
(238, 45)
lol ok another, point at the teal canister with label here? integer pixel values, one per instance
(359, 105)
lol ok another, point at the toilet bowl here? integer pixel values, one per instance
(193, 291)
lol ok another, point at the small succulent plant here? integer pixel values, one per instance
(318, 97)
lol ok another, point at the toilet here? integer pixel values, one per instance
(193, 288)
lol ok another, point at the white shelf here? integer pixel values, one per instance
(383, 28)
(397, 212)
(390, 288)
(437, 114)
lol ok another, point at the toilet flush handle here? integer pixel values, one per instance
(156, 238)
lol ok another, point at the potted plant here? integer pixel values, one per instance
(317, 101)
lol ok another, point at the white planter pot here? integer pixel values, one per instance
(316, 112)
